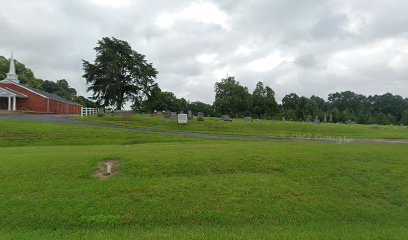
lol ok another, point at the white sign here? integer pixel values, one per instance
(182, 118)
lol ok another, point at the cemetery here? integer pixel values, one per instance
(203, 120)
(251, 127)
(71, 180)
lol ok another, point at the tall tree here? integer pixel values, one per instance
(307, 109)
(263, 101)
(290, 102)
(231, 98)
(347, 100)
(119, 73)
(157, 100)
(205, 108)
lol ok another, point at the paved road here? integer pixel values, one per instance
(63, 119)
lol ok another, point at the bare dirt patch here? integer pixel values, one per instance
(106, 169)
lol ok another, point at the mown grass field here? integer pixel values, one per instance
(258, 127)
(177, 187)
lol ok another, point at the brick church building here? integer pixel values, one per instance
(15, 96)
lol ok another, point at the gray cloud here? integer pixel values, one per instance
(307, 47)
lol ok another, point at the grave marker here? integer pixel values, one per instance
(167, 114)
(247, 119)
(182, 119)
(190, 115)
(200, 116)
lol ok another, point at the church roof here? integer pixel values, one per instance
(10, 92)
(43, 93)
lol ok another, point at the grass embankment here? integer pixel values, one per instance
(258, 127)
(23, 133)
(197, 188)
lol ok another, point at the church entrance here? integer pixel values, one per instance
(3, 103)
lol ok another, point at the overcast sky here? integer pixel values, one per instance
(307, 47)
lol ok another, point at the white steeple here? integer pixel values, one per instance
(11, 75)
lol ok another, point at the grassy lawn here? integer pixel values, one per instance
(23, 133)
(258, 127)
(175, 187)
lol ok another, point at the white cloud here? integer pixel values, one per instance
(269, 62)
(223, 72)
(202, 12)
(244, 51)
(112, 3)
(339, 45)
(207, 58)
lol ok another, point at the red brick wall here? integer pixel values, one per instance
(37, 103)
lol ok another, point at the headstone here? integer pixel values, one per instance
(190, 115)
(325, 118)
(316, 121)
(117, 112)
(226, 118)
(167, 114)
(247, 119)
(127, 115)
(108, 168)
(331, 118)
(182, 119)
(200, 116)
(283, 119)
(375, 126)
(173, 115)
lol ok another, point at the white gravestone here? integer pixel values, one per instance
(182, 119)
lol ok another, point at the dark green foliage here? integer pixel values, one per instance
(404, 119)
(205, 108)
(119, 73)
(263, 101)
(347, 101)
(231, 98)
(85, 102)
(60, 88)
(159, 100)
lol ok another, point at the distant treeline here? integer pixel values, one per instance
(59, 87)
(231, 98)
(235, 100)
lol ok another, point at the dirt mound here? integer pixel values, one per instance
(106, 169)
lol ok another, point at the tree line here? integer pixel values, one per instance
(120, 74)
(231, 98)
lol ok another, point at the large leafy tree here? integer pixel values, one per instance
(231, 98)
(159, 101)
(205, 108)
(263, 101)
(387, 104)
(119, 73)
(347, 100)
(307, 108)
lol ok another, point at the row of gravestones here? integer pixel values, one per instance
(173, 115)
(227, 118)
